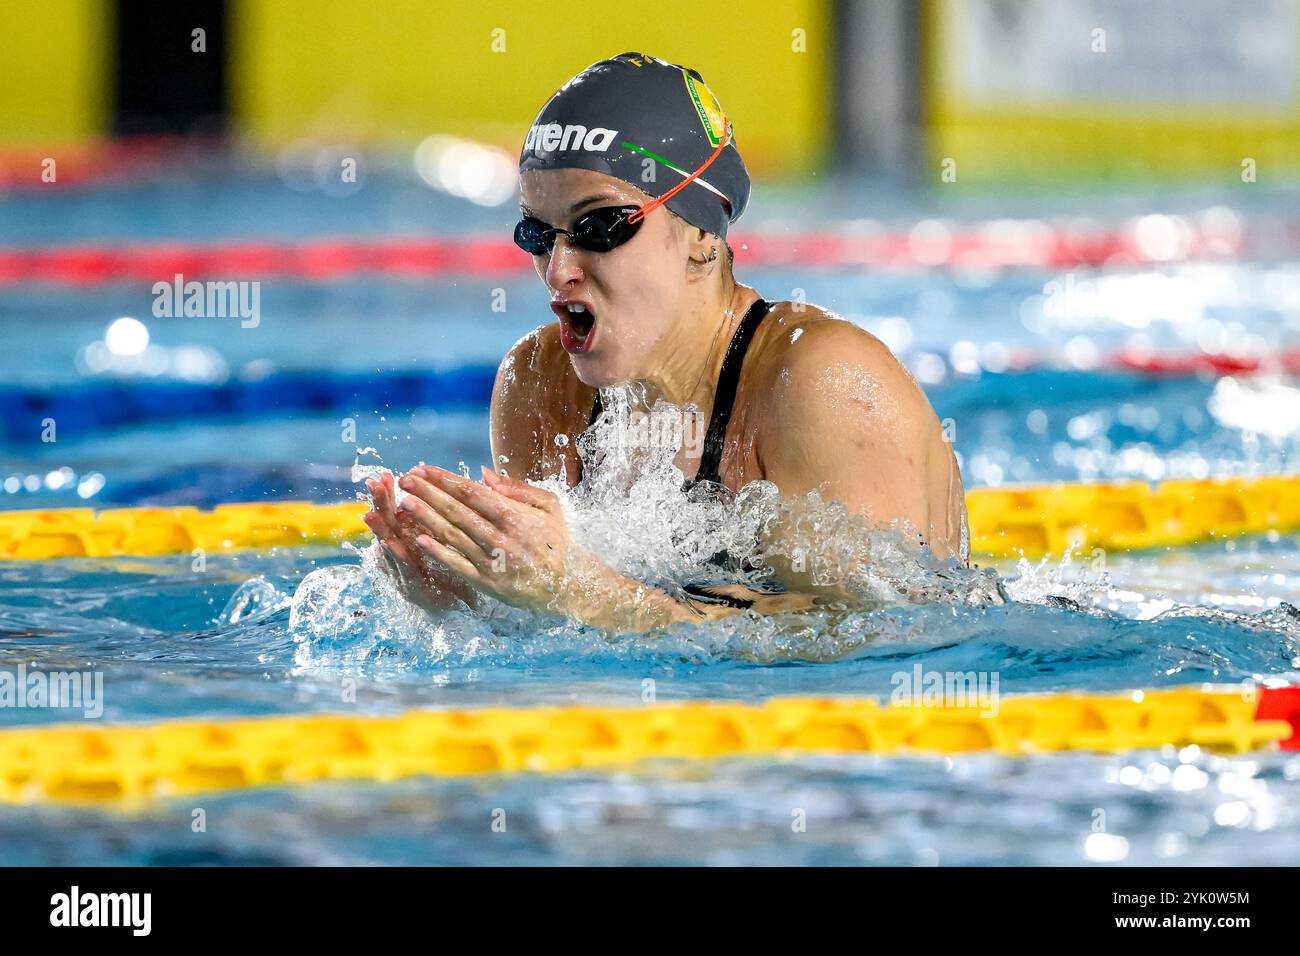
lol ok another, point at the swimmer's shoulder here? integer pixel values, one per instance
(804, 341)
(813, 365)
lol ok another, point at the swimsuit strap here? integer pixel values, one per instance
(724, 397)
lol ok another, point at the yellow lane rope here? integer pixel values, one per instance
(1124, 516)
(1005, 522)
(80, 763)
(83, 532)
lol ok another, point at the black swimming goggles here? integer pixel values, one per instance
(599, 230)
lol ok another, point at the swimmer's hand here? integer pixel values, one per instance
(421, 580)
(508, 539)
(502, 537)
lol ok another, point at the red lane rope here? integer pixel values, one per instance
(324, 260)
(1282, 703)
(1287, 362)
(321, 259)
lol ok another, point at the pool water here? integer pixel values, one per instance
(1029, 394)
(1161, 809)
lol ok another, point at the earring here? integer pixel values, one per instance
(713, 254)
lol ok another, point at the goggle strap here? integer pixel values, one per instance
(655, 203)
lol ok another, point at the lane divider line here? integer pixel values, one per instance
(88, 405)
(136, 763)
(978, 245)
(1006, 522)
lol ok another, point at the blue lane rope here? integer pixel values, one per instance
(87, 406)
(82, 408)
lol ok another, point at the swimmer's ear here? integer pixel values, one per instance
(704, 251)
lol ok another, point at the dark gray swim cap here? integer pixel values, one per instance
(649, 123)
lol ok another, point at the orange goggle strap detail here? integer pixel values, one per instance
(655, 203)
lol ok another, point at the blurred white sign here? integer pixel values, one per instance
(1190, 53)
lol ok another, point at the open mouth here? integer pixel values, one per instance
(577, 325)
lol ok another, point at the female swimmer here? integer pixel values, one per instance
(629, 179)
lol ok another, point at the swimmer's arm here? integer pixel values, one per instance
(599, 596)
(531, 385)
(848, 420)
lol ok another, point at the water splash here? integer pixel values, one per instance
(630, 510)
(890, 594)
(256, 598)
(363, 473)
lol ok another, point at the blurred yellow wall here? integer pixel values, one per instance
(54, 63)
(408, 68)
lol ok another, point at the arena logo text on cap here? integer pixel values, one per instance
(551, 137)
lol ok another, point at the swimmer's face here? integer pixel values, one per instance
(635, 291)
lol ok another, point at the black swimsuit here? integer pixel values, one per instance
(711, 460)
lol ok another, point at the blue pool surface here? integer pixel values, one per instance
(176, 642)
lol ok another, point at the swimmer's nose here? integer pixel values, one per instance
(564, 267)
